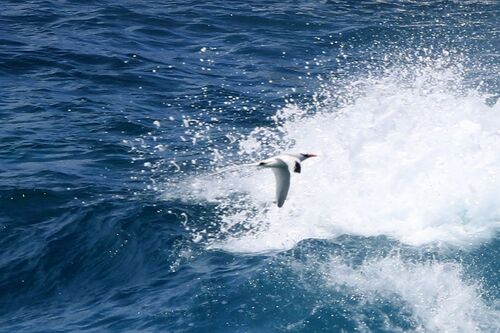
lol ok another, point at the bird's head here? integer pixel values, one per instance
(306, 156)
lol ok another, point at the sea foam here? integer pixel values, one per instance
(454, 306)
(409, 154)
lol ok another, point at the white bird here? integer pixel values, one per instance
(283, 165)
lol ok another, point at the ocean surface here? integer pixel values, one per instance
(115, 114)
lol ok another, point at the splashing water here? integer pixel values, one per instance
(455, 306)
(411, 155)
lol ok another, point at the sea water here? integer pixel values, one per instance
(114, 117)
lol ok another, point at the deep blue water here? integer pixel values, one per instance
(110, 114)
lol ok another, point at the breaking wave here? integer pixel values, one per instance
(410, 153)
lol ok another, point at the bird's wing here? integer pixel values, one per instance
(292, 161)
(282, 176)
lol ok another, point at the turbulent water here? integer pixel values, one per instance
(114, 115)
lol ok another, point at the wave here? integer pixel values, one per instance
(411, 154)
(418, 288)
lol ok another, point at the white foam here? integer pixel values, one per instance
(416, 159)
(439, 298)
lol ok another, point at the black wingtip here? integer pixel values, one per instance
(297, 167)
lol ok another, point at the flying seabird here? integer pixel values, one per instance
(283, 165)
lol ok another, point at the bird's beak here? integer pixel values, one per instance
(312, 155)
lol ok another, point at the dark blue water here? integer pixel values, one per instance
(110, 113)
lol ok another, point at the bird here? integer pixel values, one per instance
(282, 166)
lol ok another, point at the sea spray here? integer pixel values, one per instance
(410, 156)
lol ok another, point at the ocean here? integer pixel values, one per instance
(114, 117)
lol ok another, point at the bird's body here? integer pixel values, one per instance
(283, 165)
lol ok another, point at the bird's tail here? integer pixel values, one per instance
(233, 168)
